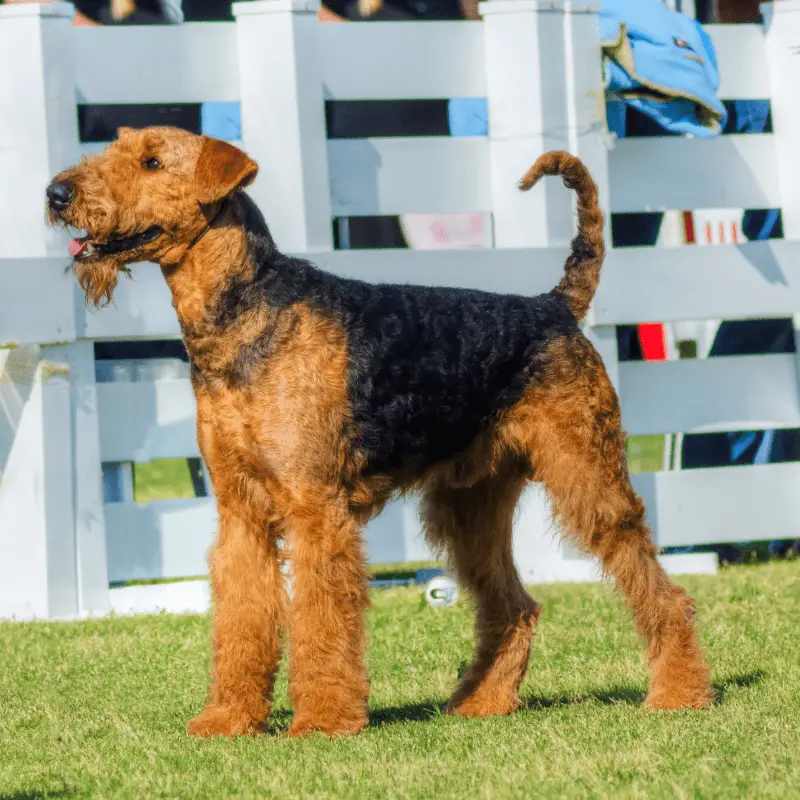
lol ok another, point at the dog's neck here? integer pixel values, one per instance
(214, 255)
(219, 257)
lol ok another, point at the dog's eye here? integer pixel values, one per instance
(151, 163)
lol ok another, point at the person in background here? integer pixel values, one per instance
(121, 12)
(398, 10)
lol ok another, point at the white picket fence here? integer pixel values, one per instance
(539, 65)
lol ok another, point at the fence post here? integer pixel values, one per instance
(782, 38)
(545, 83)
(37, 569)
(38, 121)
(283, 119)
(51, 510)
(545, 92)
(782, 35)
(90, 563)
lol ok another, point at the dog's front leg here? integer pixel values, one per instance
(249, 606)
(328, 681)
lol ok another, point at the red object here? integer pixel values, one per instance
(653, 341)
(688, 224)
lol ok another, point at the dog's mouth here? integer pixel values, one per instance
(85, 248)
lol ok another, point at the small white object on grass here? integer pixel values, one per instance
(441, 591)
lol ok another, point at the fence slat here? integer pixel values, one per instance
(734, 504)
(418, 175)
(740, 77)
(733, 393)
(191, 63)
(370, 62)
(162, 539)
(750, 281)
(36, 301)
(170, 538)
(666, 173)
(148, 420)
(143, 309)
(754, 280)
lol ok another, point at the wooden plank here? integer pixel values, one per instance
(754, 280)
(37, 301)
(730, 504)
(170, 538)
(759, 279)
(723, 394)
(363, 61)
(749, 281)
(143, 308)
(676, 173)
(423, 175)
(148, 420)
(740, 78)
(163, 539)
(191, 63)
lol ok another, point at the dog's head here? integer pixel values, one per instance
(147, 197)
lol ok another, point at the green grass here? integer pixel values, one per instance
(168, 478)
(163, 479)
(99, 708)
(646, 453)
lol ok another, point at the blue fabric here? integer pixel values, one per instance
(468, 116)
(673, 79)
(221, 120)
(672, 56)
(750, 116)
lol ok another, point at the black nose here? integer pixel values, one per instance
(60, 195)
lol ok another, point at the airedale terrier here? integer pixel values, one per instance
(319, 398)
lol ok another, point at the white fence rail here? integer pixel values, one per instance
(539, 66)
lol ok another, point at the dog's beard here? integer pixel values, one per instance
(98, 278)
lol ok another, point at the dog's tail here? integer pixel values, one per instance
(582, 268)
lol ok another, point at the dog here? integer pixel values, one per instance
(320, 398)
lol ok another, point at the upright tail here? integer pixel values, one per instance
(582, 268)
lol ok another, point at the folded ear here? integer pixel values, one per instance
(222, 169)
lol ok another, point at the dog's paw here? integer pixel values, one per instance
(476, 705)
(675, 700)
(342, 725)
(691, 690)
(223, 721)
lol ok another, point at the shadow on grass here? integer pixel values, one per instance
(736, 682)
(414, 712)
(617, 695)
(37, 795)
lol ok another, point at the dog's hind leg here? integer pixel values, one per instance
(473, 526)
(569, 424)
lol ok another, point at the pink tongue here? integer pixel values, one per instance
(76, 247)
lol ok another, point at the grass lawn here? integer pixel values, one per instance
(99, 708)
(169, 478)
